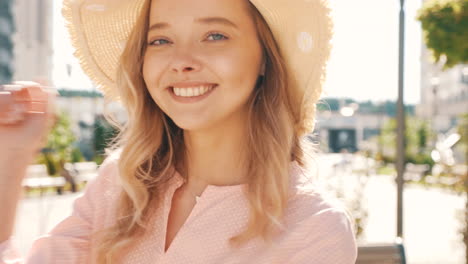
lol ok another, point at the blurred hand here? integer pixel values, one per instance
(26, 115)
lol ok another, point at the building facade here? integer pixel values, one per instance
(444, 94)
(7, 28)
(338, 133)
(32, 40)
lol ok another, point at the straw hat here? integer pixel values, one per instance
(302, 28)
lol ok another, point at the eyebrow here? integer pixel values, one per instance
(204, 20)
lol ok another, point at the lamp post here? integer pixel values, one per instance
(400, 158)
(435, 87)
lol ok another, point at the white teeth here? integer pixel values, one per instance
(192, 91)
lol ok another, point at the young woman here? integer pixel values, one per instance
(210, 166)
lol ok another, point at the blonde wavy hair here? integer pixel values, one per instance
(152, 145)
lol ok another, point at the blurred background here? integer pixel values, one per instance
(356, 124)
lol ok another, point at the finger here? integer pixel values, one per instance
(35, 98)
(6, 100)
(43, 106)
(10, 111)
(26, 83)
(32, 97)
(12, 119)
(51, 99)
(45, 118)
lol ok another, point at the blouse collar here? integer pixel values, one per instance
(224, 190)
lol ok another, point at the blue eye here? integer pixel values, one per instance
(153, 43)
(211, 37)
(217, 36)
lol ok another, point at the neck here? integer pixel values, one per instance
(215, 156)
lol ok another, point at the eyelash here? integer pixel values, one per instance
(151, 43)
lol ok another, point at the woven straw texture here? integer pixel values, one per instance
(302, 28)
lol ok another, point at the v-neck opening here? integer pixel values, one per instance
(166, 217)
(206, 201)
(209, 192)
(210, 189)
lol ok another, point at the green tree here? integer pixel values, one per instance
(415, 137)
(445, 27)
(422, 136)
(103, 135)
(59, 148)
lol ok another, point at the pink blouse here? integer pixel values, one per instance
(316, 230)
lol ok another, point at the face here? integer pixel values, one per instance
(202, 60)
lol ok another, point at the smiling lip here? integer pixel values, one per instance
(192, 99)
(189, 84)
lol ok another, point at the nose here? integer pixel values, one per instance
(184, 62)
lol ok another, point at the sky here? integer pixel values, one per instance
(363, 64)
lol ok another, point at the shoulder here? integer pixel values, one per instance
(308, 201)
(110, 163)
(313, 210)
(108, 172)
(95, 207)
(101, 192)
(317, 221)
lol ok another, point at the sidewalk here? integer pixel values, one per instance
(430, 224)
(431, 217)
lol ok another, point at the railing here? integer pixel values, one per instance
(37, 176)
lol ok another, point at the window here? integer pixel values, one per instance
(5, 58)
(5, 26)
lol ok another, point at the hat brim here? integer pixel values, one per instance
(302, 28)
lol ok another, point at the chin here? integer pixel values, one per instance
(191, 124)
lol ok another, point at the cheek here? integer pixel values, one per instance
(238, 68)
(152, 72)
